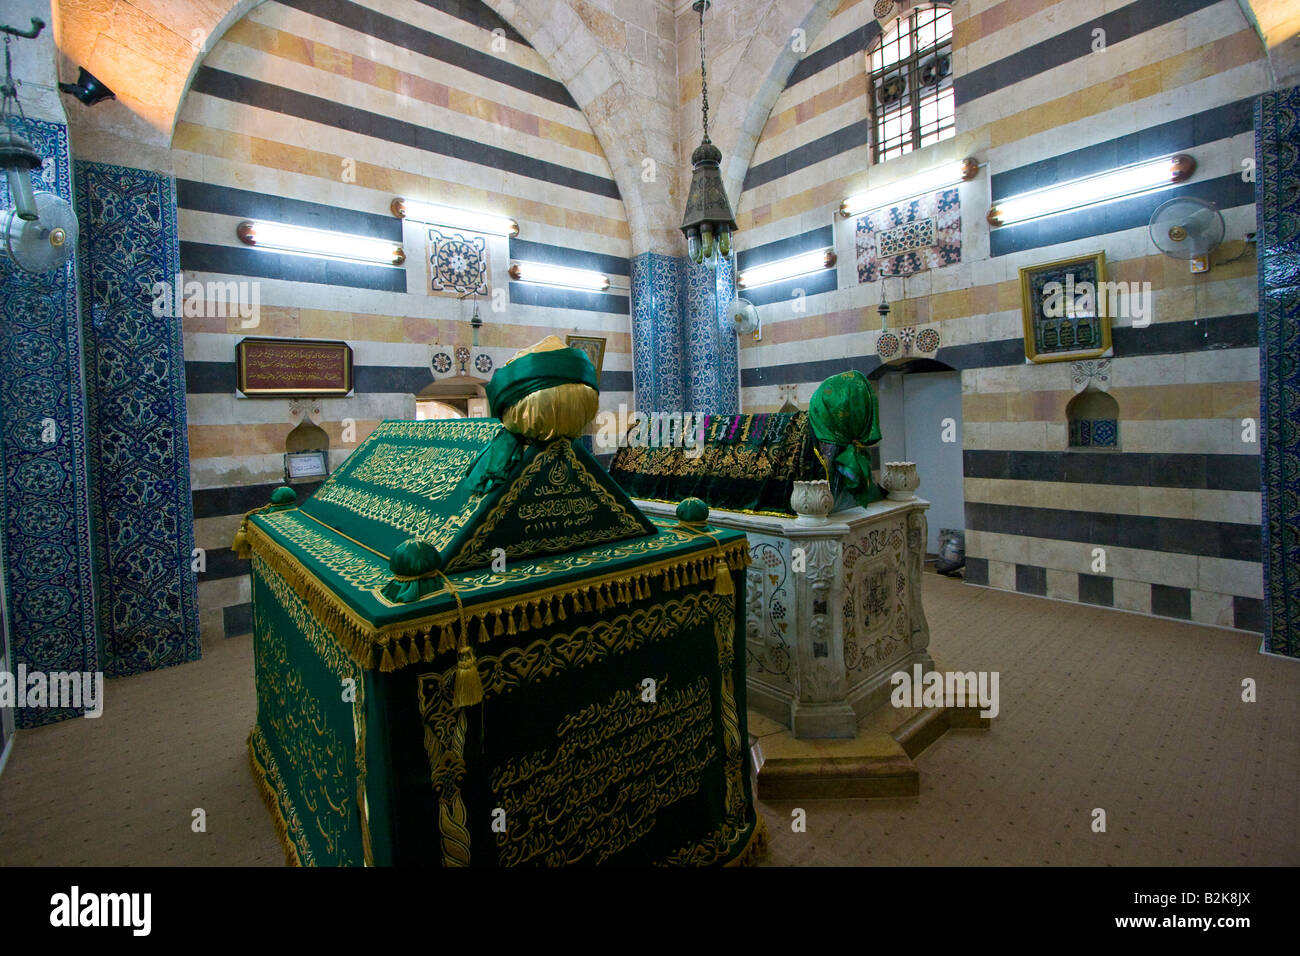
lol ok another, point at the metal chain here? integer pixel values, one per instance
(10, 91)
(704, 75)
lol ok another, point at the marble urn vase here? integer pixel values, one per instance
(900, 480)
(811, 501)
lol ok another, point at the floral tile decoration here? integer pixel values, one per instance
(457, 264)
(45, 495)
(914, 236)
(139, 452)
(1277, 198)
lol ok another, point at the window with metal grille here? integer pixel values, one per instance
(912, 102)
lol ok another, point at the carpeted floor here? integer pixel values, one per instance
(1140, 717)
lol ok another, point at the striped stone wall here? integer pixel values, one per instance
(319, 114)
(1177, 507)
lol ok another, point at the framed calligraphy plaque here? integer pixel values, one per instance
(1066, 307)
(283, 367)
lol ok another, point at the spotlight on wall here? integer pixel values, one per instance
(87, 89)
(419, 211)
(932, 180)
(545, 274)
(300, 240)
(802, 264)
(1093, 190)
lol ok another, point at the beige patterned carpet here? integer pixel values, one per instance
(1099, 709)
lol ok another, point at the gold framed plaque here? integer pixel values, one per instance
(593, 346)
(285, 367)
(1066, 309)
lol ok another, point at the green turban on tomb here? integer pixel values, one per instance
(843, 411)
(546, 391)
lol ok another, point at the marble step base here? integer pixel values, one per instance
(878, 762)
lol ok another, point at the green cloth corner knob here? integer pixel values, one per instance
(284, 496)
(413, 565)
(692, 511)
(415, 557)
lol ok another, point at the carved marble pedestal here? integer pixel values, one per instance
(833, 610)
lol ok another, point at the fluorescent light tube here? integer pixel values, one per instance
(280, 237)
(438, 214)
(1092, 190)
(799, 265)
(547, 274)
(941, 177)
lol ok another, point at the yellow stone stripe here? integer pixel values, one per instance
(308, 52)
(1138, 403)
(271, 154)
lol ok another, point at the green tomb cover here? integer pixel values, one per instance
(407, 480)
(360, 748)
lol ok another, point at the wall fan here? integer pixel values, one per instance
(45, 243)
(744, 318)
(1188, 228)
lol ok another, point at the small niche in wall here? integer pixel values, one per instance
(460, 396)
(1093, 421)
(306, 453)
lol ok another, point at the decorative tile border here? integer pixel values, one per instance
(139, 453)
(1277, 197)
(46, 502)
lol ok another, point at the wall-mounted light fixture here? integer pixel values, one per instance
(300, 240)
(932, 180)
(88, 90)
(802, 264)
(547, 274)
(1092, 190)
(435, 213)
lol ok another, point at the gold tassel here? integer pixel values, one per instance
(497, 625)
(240, 545)
(523, 619)
(561, 615)
(550, 618)
(537, 614)
(386, 661)
(469, 686)
(399, 655)
(722, 579)
(447, 640)
(510, 621)
(429, 651)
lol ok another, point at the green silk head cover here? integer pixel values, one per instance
(536, 371)
(512, 382)
(843, 410)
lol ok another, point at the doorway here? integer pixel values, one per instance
(920, 421)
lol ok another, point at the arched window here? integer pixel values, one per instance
(1094, 420)
(912, 101)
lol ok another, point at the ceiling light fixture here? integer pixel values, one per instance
(300, 240)
(482, 222)
(546, 274)
(932, 180)
(1092, 190)
(802, 264)
(708, 223)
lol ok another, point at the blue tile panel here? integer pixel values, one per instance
(138, 449)
(43, 452)
(1277, 161)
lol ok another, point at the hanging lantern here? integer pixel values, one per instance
(708, 223)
